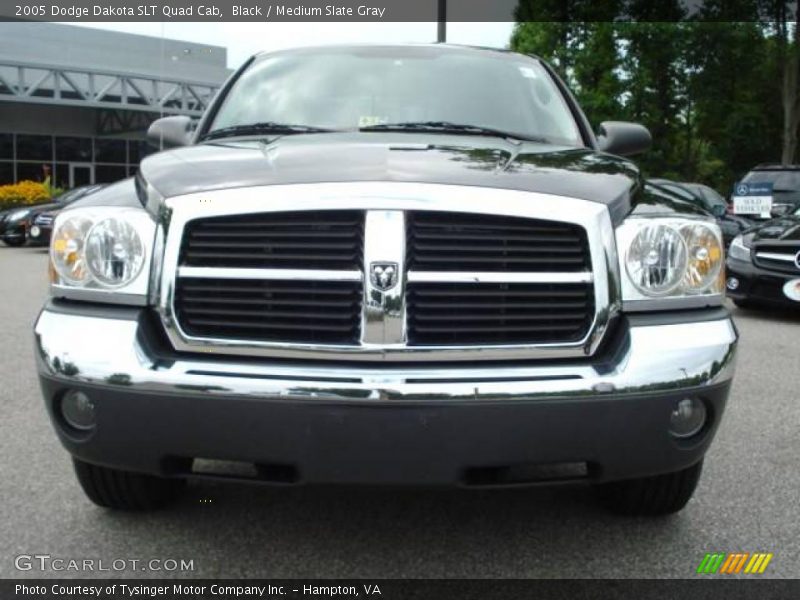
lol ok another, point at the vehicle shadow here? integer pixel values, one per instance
(370, 532)
(774, 314)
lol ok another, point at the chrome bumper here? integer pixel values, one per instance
(107, 351)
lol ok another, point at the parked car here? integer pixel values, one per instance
(435, 274)
(785, 182)
(40, 222)
(763, 266)
(15, 223)
(712, 202)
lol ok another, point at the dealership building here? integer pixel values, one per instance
(75, 102)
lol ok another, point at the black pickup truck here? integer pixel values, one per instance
(401, 265)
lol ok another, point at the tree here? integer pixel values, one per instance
(718, 88)
(584, 50)
(787, 36)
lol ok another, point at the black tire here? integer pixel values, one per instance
(14, 242)
(651, 496)
(123, 490)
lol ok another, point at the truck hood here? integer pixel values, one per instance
(398, 157)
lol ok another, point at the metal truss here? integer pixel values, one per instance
(95, 88)
(109, 122)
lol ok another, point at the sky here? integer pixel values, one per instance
(245, 39)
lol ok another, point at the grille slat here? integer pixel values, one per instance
(493, 316)
(281, 261)
(326, 312)
(291, 240)
(495, 249)
(509, 305)
(278, 286)
(490, 235)
(784, 266)
(268, 313)
(227, 299)
(501, 328)
(294, 246)
(199, 235)
(441, 314)
(440, 241)
(479, 263)
(280, 325)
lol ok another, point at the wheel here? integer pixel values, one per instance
(651, 496)
(14, 242)
(124, 490)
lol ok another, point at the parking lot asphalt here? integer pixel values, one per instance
(747, 500)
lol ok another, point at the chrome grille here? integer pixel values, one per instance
(783, 257)
(455, 283)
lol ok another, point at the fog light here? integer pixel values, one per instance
(687, 418)
(35, 231)
(732, 283)
(78, 410)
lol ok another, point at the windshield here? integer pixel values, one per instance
(782, 181)
(352, 88)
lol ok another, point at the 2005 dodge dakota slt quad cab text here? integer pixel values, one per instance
(388, 265)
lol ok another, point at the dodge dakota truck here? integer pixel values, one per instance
(388, 265)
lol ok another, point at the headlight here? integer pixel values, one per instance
(739, 248)
(656, 259)
(102, 254)
(705, 256)
(670, 262)
(66, 250)
(114, 252)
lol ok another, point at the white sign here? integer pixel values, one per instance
(752, 205)
(752, 199)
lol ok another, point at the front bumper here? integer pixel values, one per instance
(12, 231)
(426, 425)
(759, 285)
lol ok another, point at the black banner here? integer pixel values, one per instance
(379, 10)
(391, 589)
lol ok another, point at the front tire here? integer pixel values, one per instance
(123, 490)
(651, 496)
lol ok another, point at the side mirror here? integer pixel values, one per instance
(719, 210)
(168, 132)
(623, 139)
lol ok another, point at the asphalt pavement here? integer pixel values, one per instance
(748, 499)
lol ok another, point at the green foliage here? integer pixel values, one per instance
(708, 90)
(52, 190)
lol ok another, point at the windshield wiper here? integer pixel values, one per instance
(448, 127)
(262, 128)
